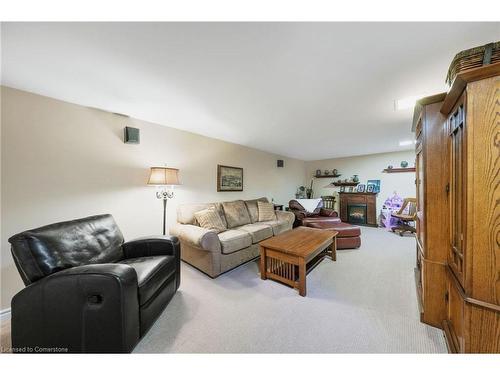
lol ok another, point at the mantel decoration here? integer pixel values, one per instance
(229, 178)
(164, 179)
(373, 186)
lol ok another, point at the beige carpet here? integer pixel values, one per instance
(363, 303)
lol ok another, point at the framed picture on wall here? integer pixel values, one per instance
(361, 188)
(229, 178)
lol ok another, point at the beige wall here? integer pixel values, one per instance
(367, 167)
(62, 161)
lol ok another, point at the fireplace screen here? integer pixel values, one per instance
(356, 213)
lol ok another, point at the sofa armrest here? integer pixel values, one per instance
(152, 246)
(91, 308)
(328, 212)
(286, 215)
(206, 239)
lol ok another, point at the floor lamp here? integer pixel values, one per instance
(165, 179)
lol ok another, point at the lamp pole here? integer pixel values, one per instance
(165, 195)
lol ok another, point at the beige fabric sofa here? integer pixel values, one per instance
(215, 253)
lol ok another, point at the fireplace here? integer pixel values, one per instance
(356, 213)
(364, 208)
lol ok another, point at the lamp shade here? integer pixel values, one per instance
(163, 176)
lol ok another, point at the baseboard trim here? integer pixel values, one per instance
(5, 314)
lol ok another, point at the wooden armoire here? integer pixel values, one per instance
(458, 213)
(432, 208)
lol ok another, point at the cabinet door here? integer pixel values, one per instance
(456, 255)
(419, 181)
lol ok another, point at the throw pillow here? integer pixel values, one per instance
(210, 219)
(236, 213)
(266, 211)
(253, 210)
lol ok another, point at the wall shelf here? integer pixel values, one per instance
(327, 175)
(345, 183)
(399, 170)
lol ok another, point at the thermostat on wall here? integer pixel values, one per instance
(131, 135)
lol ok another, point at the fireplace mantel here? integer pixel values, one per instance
(370, 199)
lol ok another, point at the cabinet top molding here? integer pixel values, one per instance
(463, 79)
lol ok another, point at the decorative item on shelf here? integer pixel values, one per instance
(369, 188)
(327, 172)
(361, 188)
(339, 181)
(375, 184)
(229, 178)
(345, 180)
(318, 172)
(404, 164)
(335, 172)
(355, 178)
(390, 167)
(309, 191)
(301, 193)
(164, 179)
(351, 189)
(342, 189)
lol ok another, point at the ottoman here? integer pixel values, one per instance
(349, 236)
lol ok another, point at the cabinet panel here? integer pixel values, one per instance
(483, 209)
(419, 175)
(455, 314)
(434, 292)
(458, 197)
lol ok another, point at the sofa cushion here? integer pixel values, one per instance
(236, 213)
(210, 219)
(152, 272)
(220, 210)
(266, 211)
(253, 210)
(278, 226)
(233, 240)
(258, 231)
(185, 212)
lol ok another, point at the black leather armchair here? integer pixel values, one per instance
(87, 290)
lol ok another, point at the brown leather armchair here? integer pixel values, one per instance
(320, 214)
(348, 236)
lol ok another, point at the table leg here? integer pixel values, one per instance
(263, 275)
(334, 249)
(302, 277)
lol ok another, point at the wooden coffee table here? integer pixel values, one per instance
(290, 256)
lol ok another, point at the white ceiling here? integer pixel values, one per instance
(305, 90)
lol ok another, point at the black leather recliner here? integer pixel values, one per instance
(87, 290)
